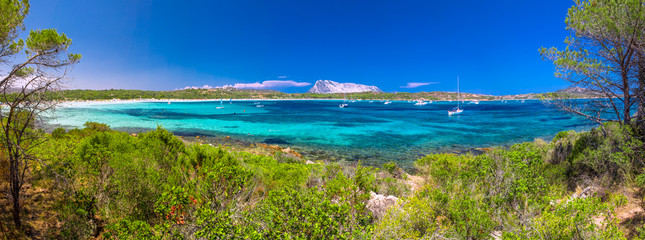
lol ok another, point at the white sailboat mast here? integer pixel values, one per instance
(458, 99)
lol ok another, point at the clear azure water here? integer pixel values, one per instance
(372, 133)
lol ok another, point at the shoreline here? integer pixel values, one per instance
(311, 152)
(316, 154)
(72, 103)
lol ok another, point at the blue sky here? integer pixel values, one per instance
(164, 45)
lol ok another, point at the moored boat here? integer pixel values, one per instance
(456, 110)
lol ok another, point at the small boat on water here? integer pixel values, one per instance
(387, 102)
(259, 105)
(457, 110)
(344, 104)
(221, 104)
(474, 102)
(420, 103)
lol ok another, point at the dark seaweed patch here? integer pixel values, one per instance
(275, 141)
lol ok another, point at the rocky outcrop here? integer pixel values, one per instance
(579, 91)
(327, 86)
(378, 204)
(587, 192)
(581, 194)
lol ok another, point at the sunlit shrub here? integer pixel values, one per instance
(613, 154)
(311, 214)
(94, 126)
(578, 218)
(126, 229)
(58, 133)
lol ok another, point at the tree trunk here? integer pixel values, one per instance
(626, 99)
(640, 115)
(15, 190)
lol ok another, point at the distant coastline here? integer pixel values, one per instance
(118, 96)
(72, 103)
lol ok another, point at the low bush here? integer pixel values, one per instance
(614, 155)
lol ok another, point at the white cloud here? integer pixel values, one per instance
(195, 87)
(258, 85)
(268, 84)
(417, 84)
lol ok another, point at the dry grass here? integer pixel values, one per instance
(631, 215)
(40, 220)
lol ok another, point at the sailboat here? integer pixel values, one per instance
(456, 110)
(221, 104)
(344, 104)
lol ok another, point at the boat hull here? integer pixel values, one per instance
(450, 113)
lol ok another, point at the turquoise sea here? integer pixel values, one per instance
(370, 132)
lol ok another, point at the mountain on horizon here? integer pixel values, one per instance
(579, 90)
(327, 86)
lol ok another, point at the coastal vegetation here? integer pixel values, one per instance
(96, 182)
(232, 93)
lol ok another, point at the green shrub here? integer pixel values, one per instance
(574, 219)
(164, 139)
(468, 197)
(392, 186)
(78, 216)
(563, 135)
(393, 169)
(613, 155)
(390, 167)
(415, 218)
(442, 168)
(58, 133)
(126, 229)
(94, 126)
(310, 214)
(365, 178)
